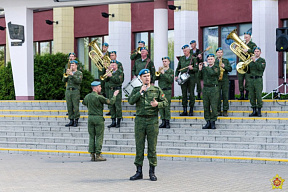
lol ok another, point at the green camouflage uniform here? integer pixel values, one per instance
(256, 82)
(139, 64)
(165, 83)
(245, 76)
(120, 66)
(146, 122)
(224, 84)
(94, 103)
(210, 77)
(198, 81)
(105, 87)
(72, 94)
(135, 55)
(189, 85)
(115, 83)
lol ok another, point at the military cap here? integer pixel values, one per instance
(143, 48)
(193, 41)
(219, 49)
(210, 55)
(144, 71)
(141, 42)
(256, 48)
(95, 83)
(185, 46)
(166, 58)
(74, 61)
(113, 52)
(105, 44)
(113, 61)
(71, 54)
(247, 33)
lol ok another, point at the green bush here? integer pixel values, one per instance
(48, 73)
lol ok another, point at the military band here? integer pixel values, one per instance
(136, 53)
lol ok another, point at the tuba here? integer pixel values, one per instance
(101, 61)
(238, 47)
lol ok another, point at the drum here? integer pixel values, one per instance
(136, 82)
(183, 78)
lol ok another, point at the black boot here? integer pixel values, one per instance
(259, 112)
(254, 113)
(109, 113)
(118, 123)
(163, 124)
(207, 126)
(246, 95)
(167, 124)
(152, 173)
(191, 111)
(241, 96)
(70, 123)
(113, 124)
(199, 96)
(138, 175)
(75, 123)
(213, 125)
(184, 113)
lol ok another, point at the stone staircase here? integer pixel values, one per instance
(38, 127)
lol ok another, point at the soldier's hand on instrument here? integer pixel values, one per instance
(199, 56)
(154, 103)
(71, 73)
(109, 74)
(223, 65)
(253, 58)
(190, 67)
(116, 93)
(245, 50)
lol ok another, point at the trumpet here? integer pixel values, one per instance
(68, 71)
(136, 50)
(158, 73)
(102, 77)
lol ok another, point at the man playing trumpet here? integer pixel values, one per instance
(210, 74)
(223, 81)
(135, 54)
(165, 75)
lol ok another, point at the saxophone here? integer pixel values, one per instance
(221, 70)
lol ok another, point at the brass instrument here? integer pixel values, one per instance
(102, 77)
(158, 73)
(221, 70)
(68, 71)
(238, 47)
(136, 50)
(101, 61)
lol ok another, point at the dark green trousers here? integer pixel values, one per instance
(255, 92)
(96, 133)
(241, 78)
(165, 112)
(116, 109)
(188, 86)
(224, 94)
(146, 127)
(72, 100)
(198, 83)
(210, 103)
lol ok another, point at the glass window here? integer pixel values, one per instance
(94, 70)
(225, 44)
(2, 55)
(83, 50)
(285, 24)
(106, 39)
(151, 50)
(44, 48)
(171, 47)
(35, 48)
(142, 37)
(245, 28)
(210, 38)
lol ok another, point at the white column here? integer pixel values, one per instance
(264, 24)
(185, 30)
(22, 59)
(160, 36)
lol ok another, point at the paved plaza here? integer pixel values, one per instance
(37, 173)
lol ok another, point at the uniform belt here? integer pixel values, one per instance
(210, 85)
(146, 116)
(71, 89)
(116, 88)
(255, 77)
(164, 89)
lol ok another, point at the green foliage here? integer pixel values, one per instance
(2, 57)
(6, 83)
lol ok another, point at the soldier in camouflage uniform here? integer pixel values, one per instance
(148, 99)
(144, 63)
(223, 83)
(187, 61)
(135, 55)
(94, 102)
(210, 74)
(241, 77)
(166, 78)
(115, 80)
(113, 56)
(196, 53)
(256, 68)
(72, 93)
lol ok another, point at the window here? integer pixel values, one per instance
(83, 49)
(43, 47)
(211, 38)
(2, 55)
(285, 24)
